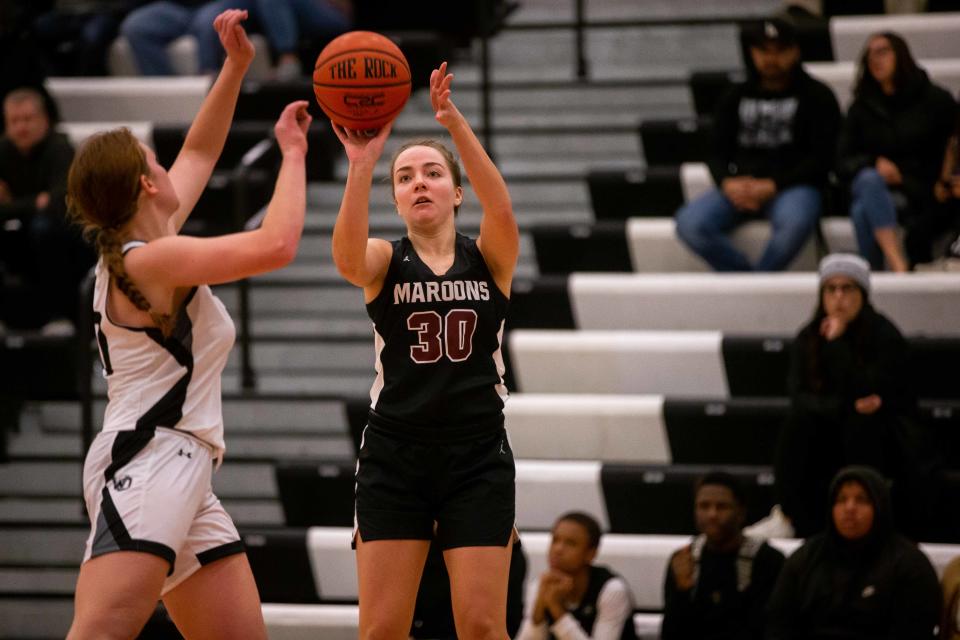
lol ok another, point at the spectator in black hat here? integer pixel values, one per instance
(774, 142)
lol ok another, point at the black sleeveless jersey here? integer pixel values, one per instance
(438, 343)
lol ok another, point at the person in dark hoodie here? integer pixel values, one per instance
(851, 402)
(774, 142)
(716, 587)
(858, 579)
(891, 150)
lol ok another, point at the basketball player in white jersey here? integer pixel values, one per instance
(157, 529)
(434, 451)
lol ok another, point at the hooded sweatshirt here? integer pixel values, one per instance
(827, 377)
(877, 587)
(788, 136)
(909, 128)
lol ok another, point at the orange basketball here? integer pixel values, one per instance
(362, 80)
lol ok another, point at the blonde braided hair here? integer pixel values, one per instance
(103, 187)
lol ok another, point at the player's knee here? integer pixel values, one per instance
(481, 625)
(382, 630)
(105, 627)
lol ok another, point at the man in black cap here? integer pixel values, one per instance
(774, 142)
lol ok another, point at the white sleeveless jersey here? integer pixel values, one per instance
(171, 382)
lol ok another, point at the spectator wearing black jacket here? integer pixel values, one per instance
(858, 579)
(891, 150)
(851, 402)
(717, 587)
(774, 142)
(39, 249)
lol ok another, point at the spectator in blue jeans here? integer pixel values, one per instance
(774, 143)
(152, 27)
(891, 150)
(155, 25)
(284, 22)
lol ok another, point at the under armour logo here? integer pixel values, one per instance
(406, 258)
(122, 484)
(185, 453)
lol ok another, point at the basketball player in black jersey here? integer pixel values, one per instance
(434, 452)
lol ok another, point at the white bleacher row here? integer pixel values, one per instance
(342, 622)
(182, 54)
(841, 76)
(655, 248)
(929, 35)
(673, 363)
(176, 99)
(678, 364)
(640, 559)
(582, 426)
(80, 131)
(750, 303)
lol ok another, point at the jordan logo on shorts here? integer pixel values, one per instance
(185, 453)
(502, 452)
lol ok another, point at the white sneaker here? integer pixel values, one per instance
(775, 525)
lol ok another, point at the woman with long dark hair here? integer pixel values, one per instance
(850, 398)
(891, 148)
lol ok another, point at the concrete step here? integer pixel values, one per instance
(544, 194)
(35, 618)
(42, 547)
(68, 511)
(267, 446)
(236, 479)
(37, 581)
(273, 417)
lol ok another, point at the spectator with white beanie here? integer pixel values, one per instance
(851, 402)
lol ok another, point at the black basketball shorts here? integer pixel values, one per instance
(404, 485)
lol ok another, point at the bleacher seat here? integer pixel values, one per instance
(929, 35)
(674, 141)
(621, 194)
(587, 427)
(157, 100)
(655, 247)
(547, 489)
(648, 499)
(842, 76)
(80, 131)
(640, 559)
(681, 364)
(182, 53)
(601, 246)
(752, 303)
(309, 622)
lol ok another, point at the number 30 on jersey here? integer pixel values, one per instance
(450, 335)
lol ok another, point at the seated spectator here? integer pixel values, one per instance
(945, 215)
(38, 247)
(891, 151)
(851, 402)
(950, 614)
(76, 34)
(152, 27)
(284, 22)
(433, 614)
(716, 588)
(774, 142)
(574, 598)
(858, 579)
